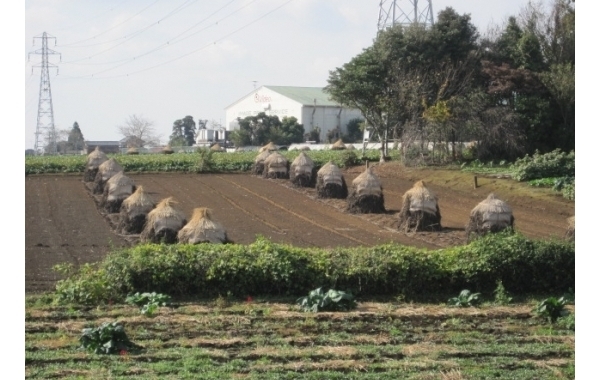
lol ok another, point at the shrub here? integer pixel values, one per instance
(266, 268)
(149, 302)
(108, 338)
(332, 300)
(552, 308)
(553, 164)
(465, 299)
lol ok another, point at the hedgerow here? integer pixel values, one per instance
(553, 164)
(267, 268)
(188, 162)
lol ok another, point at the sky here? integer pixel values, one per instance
(164, 60)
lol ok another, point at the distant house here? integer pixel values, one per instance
(311, 106)
(131, 142)
(105, 146)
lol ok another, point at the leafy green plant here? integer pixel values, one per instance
(465, 299)
(552, 308)
(332, 300)
(567, 322)
(108, 338)
(501, 296)
(552, 164)
(149, 302)
(86, 285)
(205, 160)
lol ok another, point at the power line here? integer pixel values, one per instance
(171, 42)
(86, 21)
(194, 51)
(108, 30)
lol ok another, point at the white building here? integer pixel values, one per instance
(310, 105)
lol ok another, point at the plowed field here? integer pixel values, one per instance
(63, 223)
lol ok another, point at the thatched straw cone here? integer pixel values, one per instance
(305, 148)
(570, 235)
(106, 170)
(276, 166)
(217, 148)
(116, 190)
(163, 223)
(490, 215)
(134, 210)
(338, 145)
(269, 147)
(259, 162)
(202, 229)
(420, 210)
(330, 182)
(94, 160)
(350, 147)
(167, 150)
(133, 150)
(366, 196)
(302, 171)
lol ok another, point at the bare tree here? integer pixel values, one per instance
(139, 131)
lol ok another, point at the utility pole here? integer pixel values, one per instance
(45, 116)
(391, 13)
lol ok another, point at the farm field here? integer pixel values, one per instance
(64, 225)
(226, 339)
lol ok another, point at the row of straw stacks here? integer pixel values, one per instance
(139, 214)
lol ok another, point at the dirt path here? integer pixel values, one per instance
(64, 225)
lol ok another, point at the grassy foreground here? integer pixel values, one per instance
(254, 339)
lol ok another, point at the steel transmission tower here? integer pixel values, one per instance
(45, 116)
(404, 12)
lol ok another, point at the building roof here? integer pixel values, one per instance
(305, 95)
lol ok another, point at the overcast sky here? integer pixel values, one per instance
(164, 59)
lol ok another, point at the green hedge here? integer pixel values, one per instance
(553, 164)
(189, 162)
(266, 268)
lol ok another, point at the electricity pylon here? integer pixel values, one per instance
(391, 13)
(45, 116)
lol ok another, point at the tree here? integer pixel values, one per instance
(184, 132)
(55, 140)
(75, 140)
(139, 131)
(288, 132)
(354, 130)
(313, 135)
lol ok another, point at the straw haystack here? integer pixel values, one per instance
(302, 171)
(163, 223)
(106, 170)
(94, 160)
(338, 145)
(330, 182)
(276, 166)
(490, 215)
(167, 150)
(133, 150)
(217, 148)
(269, 148)
(259, 162)
(134, 210)
(420, 210)
(350, 147)
(305, 148)
(570, 235)
(202, 229)
(366, 195)
(116, 190)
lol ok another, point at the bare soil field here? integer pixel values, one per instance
(63, 223)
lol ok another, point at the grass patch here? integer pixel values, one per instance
(413, 341)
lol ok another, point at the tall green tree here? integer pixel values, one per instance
(75, 140)
(183, 132)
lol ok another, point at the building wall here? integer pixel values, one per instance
(273, 103)
(328, 118)
(262, 100)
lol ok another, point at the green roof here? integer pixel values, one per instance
(305, 95)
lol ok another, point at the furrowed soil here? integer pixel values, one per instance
(64, 224)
